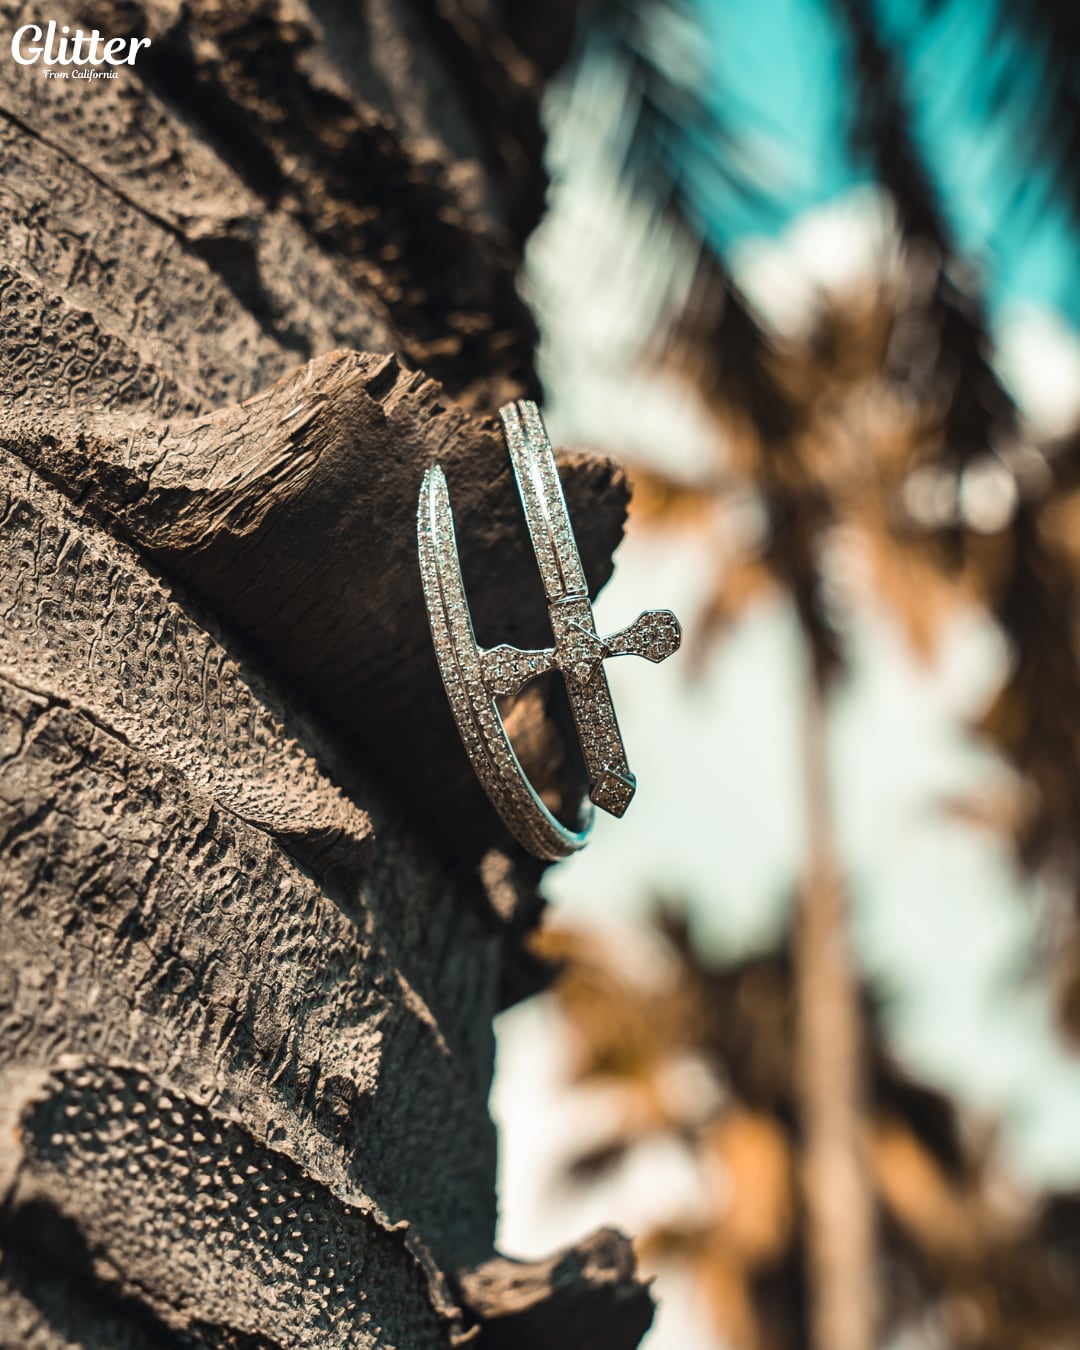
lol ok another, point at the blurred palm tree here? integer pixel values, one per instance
(856, 1201)
(982, 1267)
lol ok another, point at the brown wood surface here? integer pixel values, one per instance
(256, 915)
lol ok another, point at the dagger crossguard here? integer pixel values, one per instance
(653, 635)
(474, 677)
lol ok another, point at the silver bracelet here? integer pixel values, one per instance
(474, 677)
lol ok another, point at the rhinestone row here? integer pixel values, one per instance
(471, 702)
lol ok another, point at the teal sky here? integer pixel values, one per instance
(775, 85)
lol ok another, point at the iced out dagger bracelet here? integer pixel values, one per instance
(475, 677)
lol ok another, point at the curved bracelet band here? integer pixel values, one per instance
(475, 677)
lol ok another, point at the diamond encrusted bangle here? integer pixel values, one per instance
(474, 677)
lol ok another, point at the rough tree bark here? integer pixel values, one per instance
(256, 915)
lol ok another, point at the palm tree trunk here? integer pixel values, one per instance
(830, 1076)
(249, 965)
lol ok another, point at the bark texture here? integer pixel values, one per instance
(256, 915)
(294, 512)
(586, 1297)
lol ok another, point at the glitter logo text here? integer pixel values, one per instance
(58, 46)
